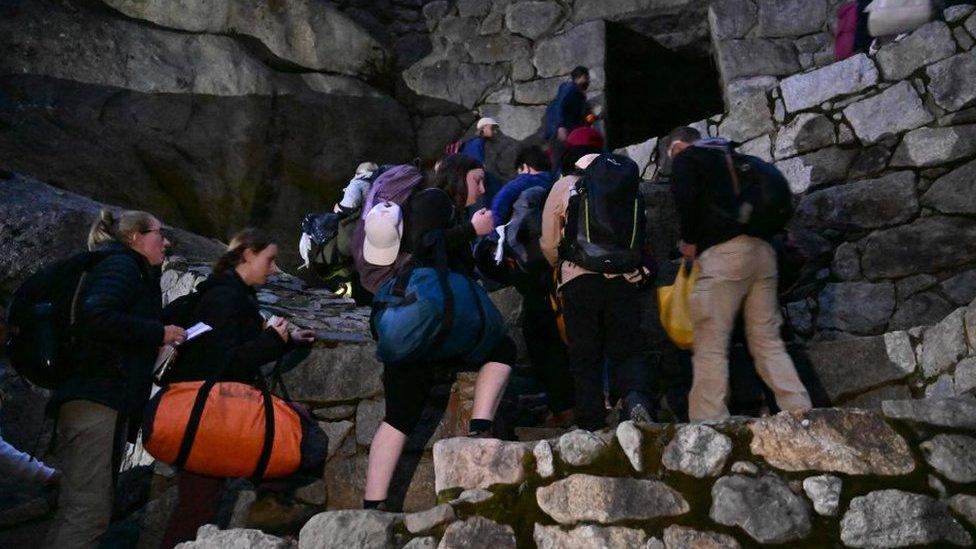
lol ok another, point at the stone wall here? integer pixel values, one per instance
(880, 154)
(824, 478)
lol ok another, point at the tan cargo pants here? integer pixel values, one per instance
(739, 274)
(86, 439)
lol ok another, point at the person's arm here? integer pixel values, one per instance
(22, 466)
(112, 288)
(475, 148)
(684, 186)
(501, 205)
(553, 220)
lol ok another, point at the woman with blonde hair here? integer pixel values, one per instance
(116, 335)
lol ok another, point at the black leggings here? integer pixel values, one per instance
(407, 386)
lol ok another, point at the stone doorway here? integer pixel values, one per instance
(650, 88)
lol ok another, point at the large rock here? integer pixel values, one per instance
(953, 456)
(731, 19)
(478, 463)
(532, 19)
(40, 224)
(581, 45)
(928, 245)
(697, 450)
(869, 204)
(830, 440)
(893, 518)
(756, 57)
(333, 375)
(425, 521)
(631, 440)
(587, 537)
(516, 122)
(304, 32)
(211, 537)
(952, 81)
(922, 309)
(764, 508)
(807, 132)
(749, 116)
(497, 49)
(856, 307)
(681, 537)
(463, 84)
(929, 44)
(926, 147)
(944, 345)
(478, 533)
(954, 413)
(608, 500)
(343, 529)
(955, 192)
(961, 288)
(803, 91)
(851, 366)
(965, 505)
(537, 92)
(791, 18)
(893, 111)
(816, 168)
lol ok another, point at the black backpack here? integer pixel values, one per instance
(605, 222)
(765, 200)
(41, 319)
(525, 229)
(330, 237)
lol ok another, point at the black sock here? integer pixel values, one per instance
(372, 503)
(480, 425)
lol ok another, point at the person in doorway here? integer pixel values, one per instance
(119, 331)
(738, 273)
(567, 111)
(239, 343)
(602, 316)
(457, 185)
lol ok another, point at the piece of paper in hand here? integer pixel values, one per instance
(196, 330)
(500, 249)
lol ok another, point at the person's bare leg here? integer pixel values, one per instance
(384, 453)
(488, 389)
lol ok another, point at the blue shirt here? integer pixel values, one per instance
(501, 205)
(474, 148)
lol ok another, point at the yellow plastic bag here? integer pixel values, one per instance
(674, 305)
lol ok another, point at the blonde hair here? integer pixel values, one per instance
(255, 240)
(111, 228)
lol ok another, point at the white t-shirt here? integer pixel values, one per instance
(354, 195)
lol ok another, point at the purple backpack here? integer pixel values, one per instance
(394, 185)
(846, 33)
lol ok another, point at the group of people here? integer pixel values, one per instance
(582, 322)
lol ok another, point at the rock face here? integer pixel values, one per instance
(348, 529)
(580, 448)
(954, 413)
(896, 109)
(824, 492)
(893, 518)
(679, 537)
(587, 537)
(697, 450)
(211, 537)
(853, 442)
(869, 204)
(765, 508)
(608, 500)
(810, 89)
(478, 463)
(310, 34)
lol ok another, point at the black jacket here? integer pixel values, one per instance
(427, 212)
(238, 343)
(705, 197)
(119, 333)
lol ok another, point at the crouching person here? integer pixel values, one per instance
(239, 343)
(117, 334)
(468, 332)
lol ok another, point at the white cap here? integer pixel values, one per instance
(366, 170)
(486, 122)
(383, 228)
(586, 160)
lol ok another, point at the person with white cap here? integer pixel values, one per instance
(384, 231)
(475, 147)
(355, 192)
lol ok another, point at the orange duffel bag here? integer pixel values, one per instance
(228, 429)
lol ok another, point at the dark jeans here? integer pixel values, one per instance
(547, 352)
(199, 497)
(603, 317)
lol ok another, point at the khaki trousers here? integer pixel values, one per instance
(86, 440)
(739, 274)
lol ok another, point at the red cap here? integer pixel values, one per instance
(585, 136)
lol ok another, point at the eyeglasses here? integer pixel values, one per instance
(165, 233)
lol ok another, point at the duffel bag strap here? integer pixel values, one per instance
(269, 435)
(436, 239)
(193, 423)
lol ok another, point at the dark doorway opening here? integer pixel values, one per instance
(651, 89)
